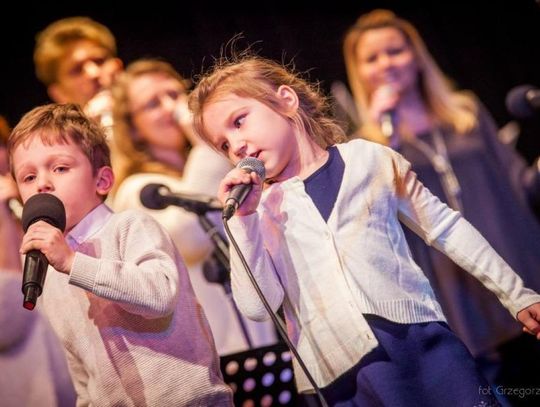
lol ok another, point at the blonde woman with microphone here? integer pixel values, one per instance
(451, 141)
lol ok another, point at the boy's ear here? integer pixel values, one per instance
(289, 98)
(104, 180)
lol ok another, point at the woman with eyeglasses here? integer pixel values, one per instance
(155, 143)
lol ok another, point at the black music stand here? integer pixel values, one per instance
(261, 377)
(217, 269)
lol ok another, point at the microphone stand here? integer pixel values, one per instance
(221, 255)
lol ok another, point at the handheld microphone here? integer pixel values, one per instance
(239, 192)
(387, 117)
(48, 208)
(387, 124)
(523, 101)
(159, 196)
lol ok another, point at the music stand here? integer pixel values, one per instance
(261, 377)
(220, 266)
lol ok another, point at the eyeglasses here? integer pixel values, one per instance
(164, 99)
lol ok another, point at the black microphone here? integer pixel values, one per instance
(48, 208)
(523, 101)
(239, 192)
(159, 196)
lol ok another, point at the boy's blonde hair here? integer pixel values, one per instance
(456, 110)
(58, 123)
(251, 76)
(51, 43)
(137, 155)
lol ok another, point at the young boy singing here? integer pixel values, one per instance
(117, 294)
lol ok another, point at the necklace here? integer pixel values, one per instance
(438, 156)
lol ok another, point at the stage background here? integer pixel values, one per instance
(487, 47)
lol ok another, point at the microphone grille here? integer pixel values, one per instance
(254, 164)
(388, 90)
(152, 198)
(517, 103)
(46, 207)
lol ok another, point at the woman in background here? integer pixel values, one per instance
(156, 144)
(405, 101)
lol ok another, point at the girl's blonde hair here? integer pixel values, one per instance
(133, 156)
(448, 107)
(251, 76)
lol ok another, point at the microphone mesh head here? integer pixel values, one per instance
(517, 103)
(152, 198)
(253, 164)
(44, 207)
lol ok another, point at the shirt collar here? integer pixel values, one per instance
(89, 225)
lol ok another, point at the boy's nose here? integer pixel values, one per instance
(44, 184)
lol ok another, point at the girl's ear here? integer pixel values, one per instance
(104, 180)
(289, 99)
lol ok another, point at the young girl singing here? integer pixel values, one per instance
(322, 235)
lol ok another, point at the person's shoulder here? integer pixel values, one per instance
(133, 216)
(133, 226)
(359, 147)
(373, 158)
(358, 143)
(125, 221)
(138, 221)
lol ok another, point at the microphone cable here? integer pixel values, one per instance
(278, 322)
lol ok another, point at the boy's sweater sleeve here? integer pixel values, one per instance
(138, 267)
(446, 230)
(246, 232)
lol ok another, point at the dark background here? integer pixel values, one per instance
(487, 47)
